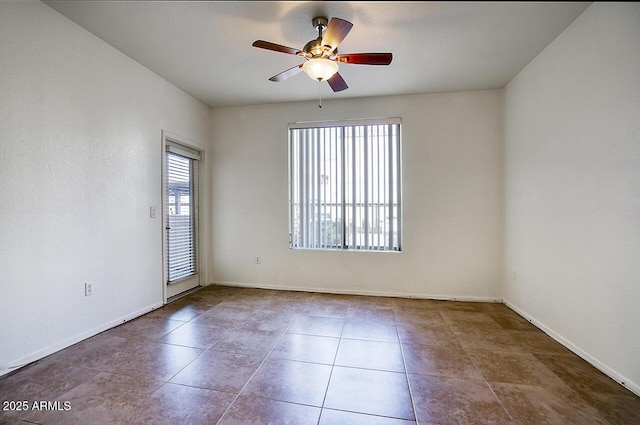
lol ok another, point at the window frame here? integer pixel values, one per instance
(393, 200)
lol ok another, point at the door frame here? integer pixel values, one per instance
(203, 210)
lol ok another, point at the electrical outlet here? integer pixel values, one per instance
(258, 260)
(515, 276)
(88, 289)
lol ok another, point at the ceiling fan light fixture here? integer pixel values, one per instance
(320, 69)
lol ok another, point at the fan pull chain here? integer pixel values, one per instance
(319, 93)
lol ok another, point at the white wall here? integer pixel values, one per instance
(572, 192)
(452, 180)
(80, 165)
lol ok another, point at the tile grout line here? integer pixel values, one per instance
(333, 366)
(473, 362)
(168, 381)
(499, 400)
(252, 375)
(204, 350)
(406, 372)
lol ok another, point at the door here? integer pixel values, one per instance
(181, 219)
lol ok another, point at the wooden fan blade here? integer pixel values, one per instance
(366, 58)
(336, 31)
(337, 83)
(286, 74)
(275, 47)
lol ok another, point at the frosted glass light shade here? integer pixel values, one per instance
(320, 69)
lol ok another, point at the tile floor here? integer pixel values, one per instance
(247, 356)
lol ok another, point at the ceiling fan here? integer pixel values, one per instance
(322, 56)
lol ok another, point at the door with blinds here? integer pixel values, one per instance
(181, 219)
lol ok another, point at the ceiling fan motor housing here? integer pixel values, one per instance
(314, 48)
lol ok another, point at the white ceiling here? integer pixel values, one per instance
(204, 47)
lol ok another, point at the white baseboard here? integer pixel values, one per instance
(60, 345)
(359, 292)
(611, 373)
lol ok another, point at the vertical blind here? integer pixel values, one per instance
(345, 186)
(181, 211)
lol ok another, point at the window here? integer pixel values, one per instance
(345, 185)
